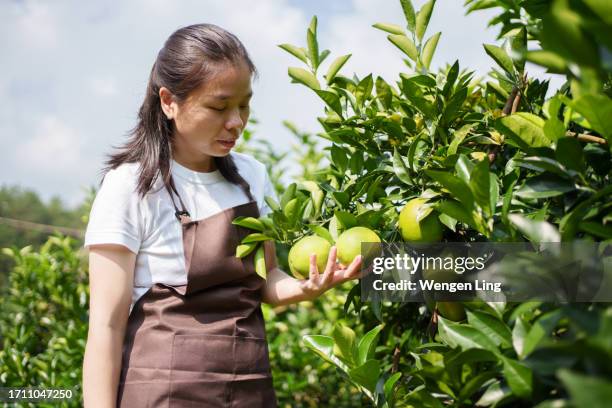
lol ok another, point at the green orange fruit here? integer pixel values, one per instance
(349, 244)
(428, 229)
(299, 255)
(451, 310)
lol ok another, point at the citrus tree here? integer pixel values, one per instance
(43, 319)
(440, 155)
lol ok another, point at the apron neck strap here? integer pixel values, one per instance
(179, 214)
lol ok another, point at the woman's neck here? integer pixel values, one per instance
(206, 165)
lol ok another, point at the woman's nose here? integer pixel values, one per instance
(235, 120)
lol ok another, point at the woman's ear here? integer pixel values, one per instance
(168, 104)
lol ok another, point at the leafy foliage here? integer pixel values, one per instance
(43, 318)
(497, 160)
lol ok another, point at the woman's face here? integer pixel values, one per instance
(210, 120)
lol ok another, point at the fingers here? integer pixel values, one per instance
(353, 268)
(330, 267)
(314, 271)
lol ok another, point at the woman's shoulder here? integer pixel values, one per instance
(248, 165)
(122, 179)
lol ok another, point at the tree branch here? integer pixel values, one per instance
(587, 138)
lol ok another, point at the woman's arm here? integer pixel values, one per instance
(282, 289)
(111, 279)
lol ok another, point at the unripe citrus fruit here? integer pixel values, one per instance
(451, 310)
(396, 117)
(428, 229)
(349, 244)
(299, 255)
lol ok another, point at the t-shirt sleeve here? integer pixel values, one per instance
(268, 190)
(115, 216)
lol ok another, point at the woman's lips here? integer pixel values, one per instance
(228, 144)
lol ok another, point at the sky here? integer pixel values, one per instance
(73, 73)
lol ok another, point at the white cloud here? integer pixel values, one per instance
(104, 86)
(54, 148)
(36, 24)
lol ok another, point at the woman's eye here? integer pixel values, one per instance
(244, 107)
(217, 109)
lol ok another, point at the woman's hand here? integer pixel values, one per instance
(334, 274)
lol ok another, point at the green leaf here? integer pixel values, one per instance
(364, 89)
(569, 223)
(451, 77)
(409, 14)
(405, 44)
(491, 326)
(291, 211)
(323, 346)
(464, 336)
(255, 237)
(464, 168)
(493, 191)
(324, 54)
(429, 48)
(455, 210)
(475, 382)
(480, 183)
(519, 377)
(288, 195)
(304, 77)
(400, 169)
(339, 158)
(346, 219)
(458, 137)
(344, 338)
(597, 110)
(335, 67)
(519, 332)
(544, 186)
(500, 57)
(390, 28)
(331, 99)
(390, 384)
(297, 52)
(555, 63)
(366, 374)
(493, 394)
(243, 250)
(535, 231)
(603, 8)
(569, 153)
(384, 93)
(367, 344)
(585, 390)
(596, 229)
(457, 187)
(271, 203)
(260, 262)
(563, 33)
(542, 164)
(249, 222)
(422, 19)
(526, 129)
(540, 329)
(322, 232)
(311, 40)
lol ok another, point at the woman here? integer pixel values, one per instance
(175, 317)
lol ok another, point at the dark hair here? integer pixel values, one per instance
(182, 65)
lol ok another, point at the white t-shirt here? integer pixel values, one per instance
(148, 226)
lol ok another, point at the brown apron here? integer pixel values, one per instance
(202, 344)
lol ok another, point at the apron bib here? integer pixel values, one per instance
(202, 344)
